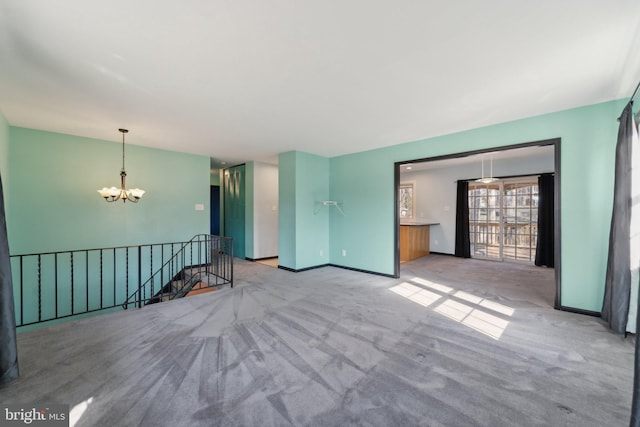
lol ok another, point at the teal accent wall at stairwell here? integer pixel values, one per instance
(55, 206)
(364, 183)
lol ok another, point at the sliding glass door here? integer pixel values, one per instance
(485, 227)
(503, 219)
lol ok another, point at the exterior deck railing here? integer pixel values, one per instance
(518, 240)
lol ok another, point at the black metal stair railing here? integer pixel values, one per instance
(63, 284)
(205, 260)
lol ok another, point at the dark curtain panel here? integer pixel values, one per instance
(635, 401)
(615, 306)
(546, 208)
(463, 245)
(8, 347)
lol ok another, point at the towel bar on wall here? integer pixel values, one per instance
(319, 205)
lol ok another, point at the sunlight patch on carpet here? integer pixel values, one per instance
(78, 410)
(475, 312)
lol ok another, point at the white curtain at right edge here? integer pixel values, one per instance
(634, 232)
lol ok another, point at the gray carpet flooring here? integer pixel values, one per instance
(451, 343)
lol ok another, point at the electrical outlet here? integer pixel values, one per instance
(199, 207)
(435, 242)
(321, 252)
(344, 252)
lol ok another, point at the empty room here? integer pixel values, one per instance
(299, 213)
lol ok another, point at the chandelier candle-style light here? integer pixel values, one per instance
(114, 194)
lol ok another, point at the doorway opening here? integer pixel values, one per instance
(503, 214)
(214, 203)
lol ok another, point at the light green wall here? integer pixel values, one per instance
(364, 182)
(312, 220)
(4, 159)
(365, 232)
(55, 206)
(303, 230)
(214, 178)
(287, 209)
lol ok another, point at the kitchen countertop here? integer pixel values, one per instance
(419, 222)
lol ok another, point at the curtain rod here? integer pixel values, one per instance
(533, 175)
(634, 93)
(631, 99)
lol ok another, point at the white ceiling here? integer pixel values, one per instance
(530, 152)
(242, 80)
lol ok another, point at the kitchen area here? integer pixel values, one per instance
(414, 231)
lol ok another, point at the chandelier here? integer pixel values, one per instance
(114, 194)
(490, 178)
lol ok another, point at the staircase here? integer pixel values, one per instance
(186, 282)
(205, 262)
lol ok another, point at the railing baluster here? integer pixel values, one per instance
(101, 279)
(39, 288)
(115, 262)
(207, 256)
(21, 292)
(153, 287)
(55, 280)
(230, 265)
(127, 276)
(86, 279)
(139, 275)
(162, 282)
(72, 290)
(144, 290)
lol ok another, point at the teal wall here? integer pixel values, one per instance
(55, 206)
(303, 226)
(312, 220)
(4, 159)
(364, 182)
(214, 178)
(287, 209)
